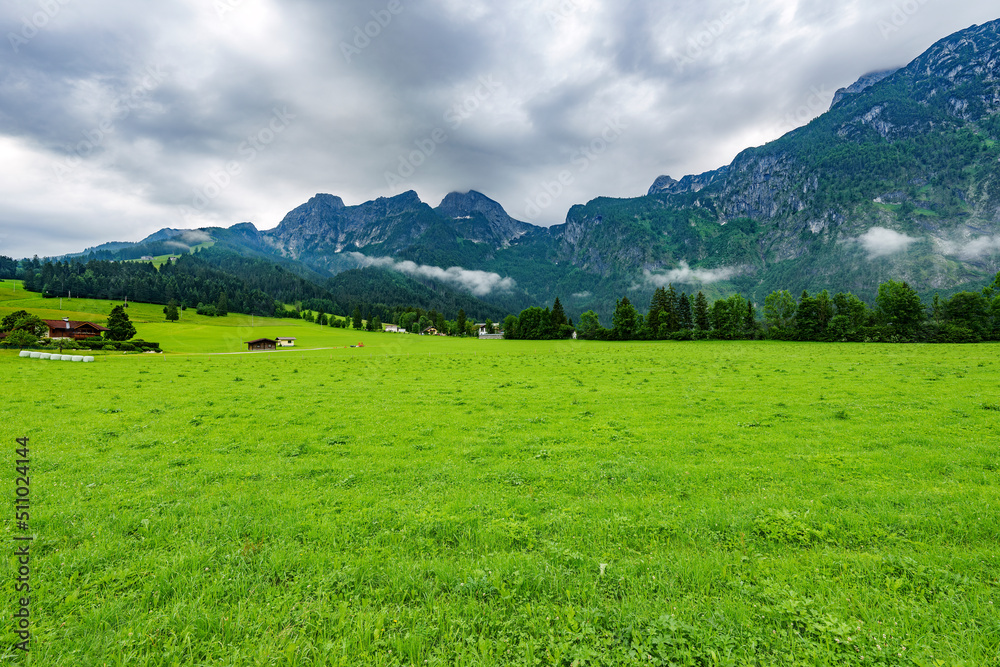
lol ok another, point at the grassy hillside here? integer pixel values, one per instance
(198, 333)
(464, 502)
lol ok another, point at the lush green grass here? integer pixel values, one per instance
(199, 333)
(505, 502)
(160, 260)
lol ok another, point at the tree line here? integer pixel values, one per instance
(216, 282)
(899, 315)
(410, 319)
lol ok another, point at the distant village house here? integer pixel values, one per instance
(67, 328)
(285, 341)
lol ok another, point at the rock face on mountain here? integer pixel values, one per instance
(482, 220)
(900, 179)
(394, 224)
(865, 82)
(912, 150)
(325, 223)
(667, 185)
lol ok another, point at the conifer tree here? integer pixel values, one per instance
(684, 319)
(222, 306)
(119, 325)
(701, 320)
(656, 308)
(670, 310)
(625, 321)
(750, 321)
(558, 316)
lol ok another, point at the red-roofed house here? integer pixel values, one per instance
(67, 328)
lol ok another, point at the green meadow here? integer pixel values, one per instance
(429, 501)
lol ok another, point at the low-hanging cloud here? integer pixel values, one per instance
(186, 239)
(978, 248)
(200, 96)
(882, 242)
(194, 237)
(480, 283)
(685, 274)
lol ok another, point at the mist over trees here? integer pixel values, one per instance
(898, 315)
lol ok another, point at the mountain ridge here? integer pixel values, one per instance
(907, 155)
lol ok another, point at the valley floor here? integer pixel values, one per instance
(464, 502)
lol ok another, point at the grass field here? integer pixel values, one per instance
(197, 334)
(462, 502)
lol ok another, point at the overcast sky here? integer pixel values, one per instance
(120, 118)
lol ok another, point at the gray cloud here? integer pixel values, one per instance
(693, 84)
(882, 242)
(685, 274)
(480, 283)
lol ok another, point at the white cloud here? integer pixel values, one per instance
(882, 242)
(685, 274)
(195, 236)
(480, 283)
(566, 68)
(583, 295)
(978, 248)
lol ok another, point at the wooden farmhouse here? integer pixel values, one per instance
(67, 328)
(262, 345)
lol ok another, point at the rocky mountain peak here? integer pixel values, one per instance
(866, 81)
(500, 228)
(667, 185)
(329, 201)
(462, 205)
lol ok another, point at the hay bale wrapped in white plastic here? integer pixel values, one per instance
(77, 357)
(24, 353)
(67, 357)
(88, 360)
(36, 355)
(45, 355)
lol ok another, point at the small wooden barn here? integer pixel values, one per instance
(262, 345)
